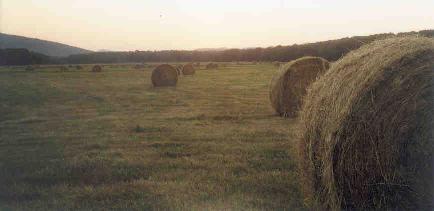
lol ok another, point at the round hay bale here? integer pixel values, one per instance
(211, 66)
(366, 131)
(78, 67)
(164, 75)
(288, 86)
(63, 68)
(188, 69)
(29, 68)
(140, 66)
(97, 68)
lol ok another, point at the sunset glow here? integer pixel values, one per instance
(192, 24)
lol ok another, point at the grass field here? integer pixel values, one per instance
(80, 140)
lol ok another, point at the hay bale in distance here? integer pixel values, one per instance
(212, 66)
(139, 66)
(96, 68)
(29, 68)
(188, 69)
(63, 68)
(164, 75)
(289, 84)
(78, 67)
(366, 138)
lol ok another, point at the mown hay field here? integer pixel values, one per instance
(77, 139)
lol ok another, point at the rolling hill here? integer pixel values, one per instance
(41, 46)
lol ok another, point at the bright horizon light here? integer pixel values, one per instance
(192, 24)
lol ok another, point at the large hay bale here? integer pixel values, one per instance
(211, 66)
(188, 69)
(97, 68)
(288, 86)
(366, 128)
(164, 75)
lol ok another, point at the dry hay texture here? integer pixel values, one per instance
(288, 85)
(96, 68)
(212, 66)
(164, 75)
(188, 69)
(366, 138)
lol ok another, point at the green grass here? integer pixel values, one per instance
(80, 140)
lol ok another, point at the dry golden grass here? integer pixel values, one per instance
(76, 140)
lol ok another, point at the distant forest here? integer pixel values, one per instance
(330, 50)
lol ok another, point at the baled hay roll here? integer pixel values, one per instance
(188, 69)
(96, 68)
(289, 84)
(212, 66)
(164, 75)
(29, 68)
(366, 127)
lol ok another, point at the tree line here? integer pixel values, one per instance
(22, 56)
(330, 50)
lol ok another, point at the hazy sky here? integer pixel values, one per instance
(191, 24)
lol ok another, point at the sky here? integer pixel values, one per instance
(123, 25)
